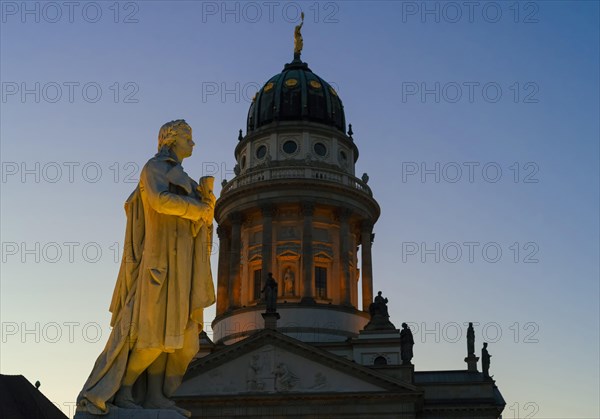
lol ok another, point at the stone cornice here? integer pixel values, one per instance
(404, 396)
(307, 186)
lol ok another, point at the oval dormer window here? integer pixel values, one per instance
(320, 149)
(261, 151)
(290, 147)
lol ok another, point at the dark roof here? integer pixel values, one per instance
(424, 378)
(296, 94)
(451, 376)
(498, 397)
(21, 400)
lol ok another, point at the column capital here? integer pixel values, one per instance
(235, 217)
(222, 232)
(308, 208)
(343, 213)
(366, 226)
(267, 210)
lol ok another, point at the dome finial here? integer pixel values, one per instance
(298, 42)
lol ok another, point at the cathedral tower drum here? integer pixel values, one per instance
(296, 209)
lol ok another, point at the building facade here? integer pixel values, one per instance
(296, 209)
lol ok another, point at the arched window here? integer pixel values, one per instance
(257, 283)
(380, 360)
(321, 281)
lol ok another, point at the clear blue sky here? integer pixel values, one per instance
(478, 129)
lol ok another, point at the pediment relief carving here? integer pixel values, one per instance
(272, 369)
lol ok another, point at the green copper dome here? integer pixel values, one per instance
(296, 94)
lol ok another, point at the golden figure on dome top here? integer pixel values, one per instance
(298, 42)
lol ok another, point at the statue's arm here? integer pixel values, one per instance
(156, 185)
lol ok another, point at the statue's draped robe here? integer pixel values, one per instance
(164, 281)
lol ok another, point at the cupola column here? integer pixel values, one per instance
(345, 256)
(308, 209)
(267, 242)
(223, 275)
(367, 264)
(235, 284)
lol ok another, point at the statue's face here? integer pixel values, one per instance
(183, 144)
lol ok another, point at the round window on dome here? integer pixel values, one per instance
(320, 149)
(291, 82)
(261, 151)
(315, 84)
(290, 147)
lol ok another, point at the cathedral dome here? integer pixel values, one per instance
(296, 94)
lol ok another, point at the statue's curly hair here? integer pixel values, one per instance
(168, 132)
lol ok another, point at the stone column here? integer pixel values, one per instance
(345, 256)
(471, 361)
(267, 243)
(235, 285)
(366, 232)
(308, 210)
(223, 275)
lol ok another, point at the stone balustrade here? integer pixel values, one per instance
(312, 173)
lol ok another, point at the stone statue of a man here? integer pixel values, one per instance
(270, 291)
(406, 344)
(485, 360)
(164, 284)
(298, 42)
(470, 340)
(288, 281)
(379, 306)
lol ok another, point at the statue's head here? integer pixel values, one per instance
(485, 344)
(379, 293)
(177, 137)
(404, 325)
(470, 324)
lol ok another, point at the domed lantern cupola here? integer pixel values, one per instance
(295, 209)
(296, 94)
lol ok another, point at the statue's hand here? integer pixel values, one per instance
(199, 211)
(205, 190)
(210, 200)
